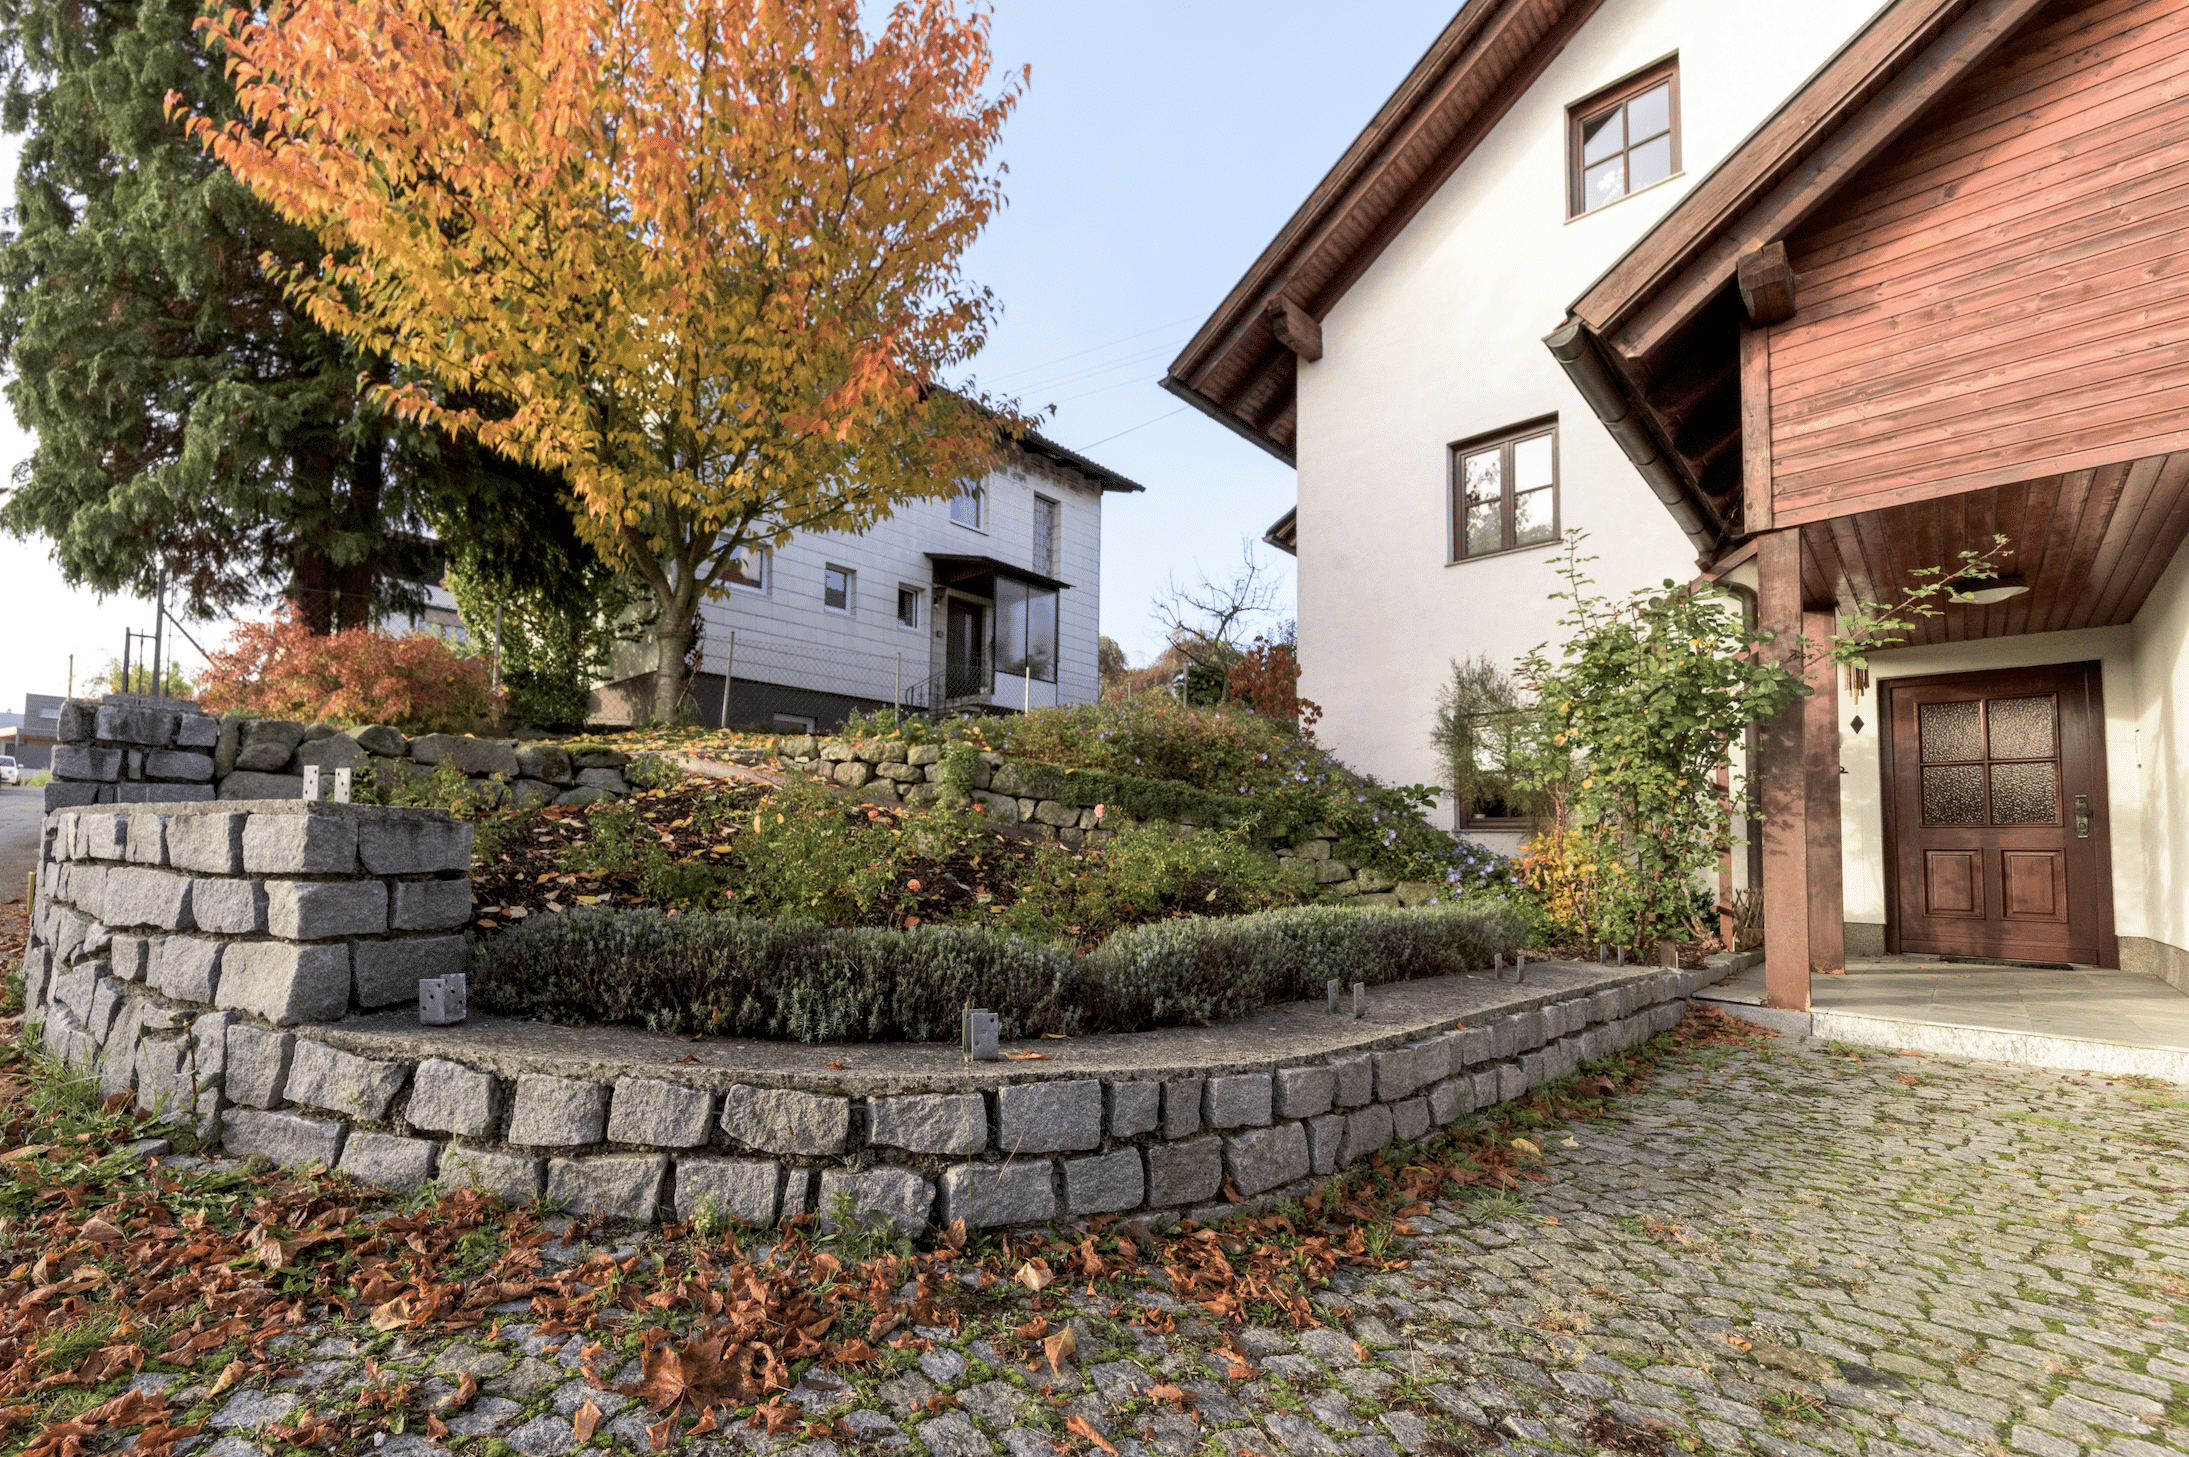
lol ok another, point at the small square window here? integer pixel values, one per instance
(969, 506)
(836, 588)
(1505, 490)
(749, 569)
(908, 607)
(1623, 139)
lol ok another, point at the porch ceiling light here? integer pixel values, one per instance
(1984, 591)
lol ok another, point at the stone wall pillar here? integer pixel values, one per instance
(167, 940)
(132, 748)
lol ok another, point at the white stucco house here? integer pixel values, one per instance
(1389, 341)
(987, 601)
(1804, 300)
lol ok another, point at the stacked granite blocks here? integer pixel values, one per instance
(1023, 1153)
(211, 959)
(172, 944)
(1025, 794)
(129, 749)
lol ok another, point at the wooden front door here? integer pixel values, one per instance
(966, 650)
(1996, 817)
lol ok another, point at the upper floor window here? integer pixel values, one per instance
(749, 568)
(1623, 139)
(1045, 536)
(836, 588)
(1505, 490)
(908, 606)
(969, 506)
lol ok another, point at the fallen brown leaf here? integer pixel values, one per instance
(229, 1376)
(1058, 1346)
(1080, 1425)
(585, 1421)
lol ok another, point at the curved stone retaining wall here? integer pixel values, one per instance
(134, 749)
(222, 962)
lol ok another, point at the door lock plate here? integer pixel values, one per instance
(2082, 816)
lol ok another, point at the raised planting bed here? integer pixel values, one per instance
(249, 969)
(812, 852)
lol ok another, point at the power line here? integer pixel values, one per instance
(1093, 349)
(1144, 424)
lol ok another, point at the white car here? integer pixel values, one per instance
(9, 772)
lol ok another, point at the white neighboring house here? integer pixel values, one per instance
(437, 616)
(990, 600)
(1389, 341)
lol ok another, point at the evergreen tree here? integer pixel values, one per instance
(186, 414)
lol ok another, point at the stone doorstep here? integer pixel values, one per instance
(1266, 1041)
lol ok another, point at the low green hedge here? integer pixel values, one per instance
(805, 982)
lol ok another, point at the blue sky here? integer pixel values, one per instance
(1159, 147)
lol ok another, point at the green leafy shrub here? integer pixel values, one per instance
(651, 771)
(805, 982)
(1144, 873)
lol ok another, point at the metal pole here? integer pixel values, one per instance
(896, 694)
(159, 616)
(729, 658)
(495, 677)
(126, 636)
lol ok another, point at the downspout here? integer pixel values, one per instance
(1754, 840)
(1571, 346)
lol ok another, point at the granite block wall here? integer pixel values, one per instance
(134, 749)
(221, 962)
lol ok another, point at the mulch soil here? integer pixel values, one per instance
(696, 820)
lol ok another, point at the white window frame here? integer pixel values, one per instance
(919, 606)
(1047, 552)
(977, 493)
(767, 574)
(851, 589)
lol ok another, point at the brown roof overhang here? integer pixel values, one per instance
(952, 569)
(1653, 346)
(1236, 368)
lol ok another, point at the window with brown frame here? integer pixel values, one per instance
(1623, 139)
(1505, 490)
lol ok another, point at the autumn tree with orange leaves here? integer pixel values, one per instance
(700, 256)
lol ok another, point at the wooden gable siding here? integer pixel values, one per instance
(2091, 543)
(2006, 295)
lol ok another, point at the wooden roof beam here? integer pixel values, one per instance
(1295, 328)
(1984, 28)
(1766, 282)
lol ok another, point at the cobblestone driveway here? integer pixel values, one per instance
(1778, 1251)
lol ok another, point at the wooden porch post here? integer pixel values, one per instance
(1793, 817)
(1820, 772)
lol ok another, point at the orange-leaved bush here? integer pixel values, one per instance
(282, 669)
(1268, 680)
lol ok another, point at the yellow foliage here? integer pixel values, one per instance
(700, 256)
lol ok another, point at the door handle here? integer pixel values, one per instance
(2082, 816)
